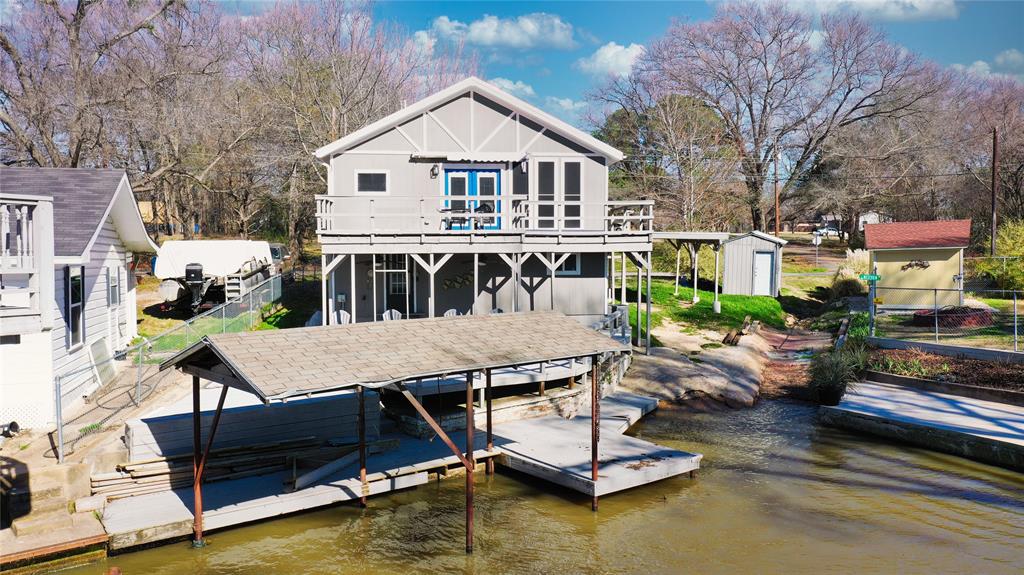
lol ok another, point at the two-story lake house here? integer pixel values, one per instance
(473, 201)
(67, 287)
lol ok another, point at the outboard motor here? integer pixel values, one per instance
(194, 281)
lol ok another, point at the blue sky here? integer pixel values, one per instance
(552, 53)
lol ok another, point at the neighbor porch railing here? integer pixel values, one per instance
(505, 212)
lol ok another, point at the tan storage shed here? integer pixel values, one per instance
(753, 265)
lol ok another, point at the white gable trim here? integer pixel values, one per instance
(471, 84)
(131, 230)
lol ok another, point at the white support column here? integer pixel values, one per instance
(373, 283)
(323, 290)
(476, 282)
(408, 310)
(622, 281)
(552, 271)
(639, 290)
(716, 306)
(694, 251)
(679, 250)
(647, 339)
(352, 287)
(430, 311)
(331, 304)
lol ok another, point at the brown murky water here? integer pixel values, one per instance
(777, 494)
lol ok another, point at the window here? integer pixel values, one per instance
(570, 267)
(546, 194)
(113, 287)
(74, 304)
(572, 194)
(372, 181)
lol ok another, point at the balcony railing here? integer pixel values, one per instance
(17, 227)
(481, 214)
(26, 263)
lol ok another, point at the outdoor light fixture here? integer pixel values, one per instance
(434, 171)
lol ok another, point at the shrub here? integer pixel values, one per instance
(831, 372)
(859, 328)
(859, 261)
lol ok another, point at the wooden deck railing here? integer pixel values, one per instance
(506, 212)
(26, 263)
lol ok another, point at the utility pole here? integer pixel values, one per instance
(995, 186)
(776, 188)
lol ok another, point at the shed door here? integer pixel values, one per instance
(763, 273)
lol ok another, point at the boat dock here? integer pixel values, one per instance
(550, 448)
(976, 429)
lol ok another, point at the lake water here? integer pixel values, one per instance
(777, 493)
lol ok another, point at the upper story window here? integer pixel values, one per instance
(373, 182)
(74, 304)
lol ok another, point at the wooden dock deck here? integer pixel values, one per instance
(551, 448)
(558, 450)
(973, 428)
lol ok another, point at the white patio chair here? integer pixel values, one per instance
(342, 317)
(391, 314)
(451, 313)
(497, 310)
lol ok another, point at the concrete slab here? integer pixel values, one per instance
(558, 450)
(973, 428)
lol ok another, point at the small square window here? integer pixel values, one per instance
(570, 267)
(371, 182)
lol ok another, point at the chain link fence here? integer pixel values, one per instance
(130, 378)
(982, 318)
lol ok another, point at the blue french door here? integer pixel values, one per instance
(472, 192)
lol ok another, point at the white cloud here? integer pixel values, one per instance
(1010, 60)
(886, 10)
(516, 88)
(567, 105)
(536, 30)
(977, 68)
(612, 59)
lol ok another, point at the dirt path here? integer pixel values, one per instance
(789, 357)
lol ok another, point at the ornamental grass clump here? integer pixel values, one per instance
(832, 372)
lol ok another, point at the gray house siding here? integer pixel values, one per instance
(738, 265)
(492, 130)
(101, 320)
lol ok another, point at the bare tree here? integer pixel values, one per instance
(777, 85)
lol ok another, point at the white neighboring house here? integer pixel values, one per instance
(68, 292)
(872, 217)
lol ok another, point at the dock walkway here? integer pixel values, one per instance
(551, 448)
(973, 428)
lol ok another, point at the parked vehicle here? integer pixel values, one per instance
(205, 272)
(828, 232)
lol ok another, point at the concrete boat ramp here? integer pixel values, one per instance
(973, 428)
(549, 447)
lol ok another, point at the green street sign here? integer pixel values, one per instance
(870, 277)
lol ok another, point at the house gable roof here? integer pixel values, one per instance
(932, 234)
(83, 198)
(471, 84)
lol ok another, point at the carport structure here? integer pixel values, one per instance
(302, 362)
(693, 242)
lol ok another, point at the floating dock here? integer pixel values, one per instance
(976, 429)
(550, 448)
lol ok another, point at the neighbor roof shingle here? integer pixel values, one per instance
(933, 234)
(80, 198)
(304, 360)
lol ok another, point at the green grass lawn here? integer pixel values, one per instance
(800, 267)
(299, 301)
(701, 316)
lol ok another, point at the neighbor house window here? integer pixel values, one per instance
(74, 304)
(113, 287)
(570, 267)
(372, 181)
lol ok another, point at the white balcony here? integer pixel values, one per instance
(396, 214)
(26, 263)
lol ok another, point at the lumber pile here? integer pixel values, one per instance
(165, 473)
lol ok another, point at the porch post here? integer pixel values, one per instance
(352, 287)
(518, 277)
(595, 429)
(716, 306)
(694, 251)
(679, 251)
(431, 272)
(361, 393)
(647, 315)
(373, 283)
(408, 310)
(552, 284)
(639, 290)
(331, 304)
(476, 282)
(472, 462)
(490, 432)
(323, 290)
(197, 489)
(622, 281)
